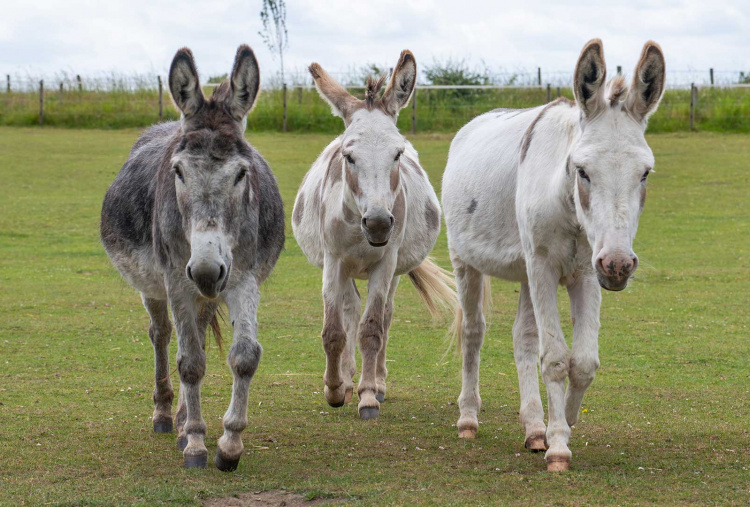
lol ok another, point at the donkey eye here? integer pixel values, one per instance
(178, 173)
(398, 156)
(645, 175)
(240, 176)
(349, 159)
(583, 175)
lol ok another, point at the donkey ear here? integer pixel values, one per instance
(244, 83)
(341, 101)
(184, 84)
(648, 82)
(589, 78)
(401, 85)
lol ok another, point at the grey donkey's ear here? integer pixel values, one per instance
(589, 78)
(245, 83)
(648, 82)
(341, 101)
(401, 85)
(184, 83)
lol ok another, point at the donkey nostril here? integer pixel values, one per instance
(391, 220)
(190, 274)
(600, 264)
(222, 272)
(364, 223)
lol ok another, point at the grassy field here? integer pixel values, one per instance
(665, 421)
(717, 109)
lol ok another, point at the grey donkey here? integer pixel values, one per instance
(194, 219)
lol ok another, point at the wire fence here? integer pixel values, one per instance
(137, 101)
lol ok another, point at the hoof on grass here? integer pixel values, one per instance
(338, 404)
(181, 443)
(558, 464)
(199, 461)
(369, 413)
(225, 464)
(536, 443)
(348, 396)
(468, 433)
(380, 397)
(163, 427)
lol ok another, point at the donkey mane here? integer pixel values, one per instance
(616, 90)
(372, 89)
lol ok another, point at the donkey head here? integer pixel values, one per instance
(211, 165)
(611, 159)
(371, 144)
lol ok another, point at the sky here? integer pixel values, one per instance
(45, 37)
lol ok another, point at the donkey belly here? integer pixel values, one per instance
(138, 266)
(479, 187)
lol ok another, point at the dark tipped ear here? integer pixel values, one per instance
(184, 84)
(589, 78)
(401, 85)
(648, 82)
(245, 83)
(341, 101)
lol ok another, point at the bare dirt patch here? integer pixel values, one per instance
(273, 498)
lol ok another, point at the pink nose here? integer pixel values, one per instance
(617, 267)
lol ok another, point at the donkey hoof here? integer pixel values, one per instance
(369, 413)
(380, 397)
(536, 443)
(225, 464)
(163, 427)
(337, 404)
(181, 443)
(199, 461)
(558, 464)
(468, 433)
(348, 396)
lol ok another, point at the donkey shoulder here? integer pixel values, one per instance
(271, 225)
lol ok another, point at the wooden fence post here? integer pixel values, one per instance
(161, 99)
(7, 77)
(692, 106)
(283, 127)
(299, 95)
(41, 102)
(558, 92)
(619, 69)
(61, 93)
(549, 93)
(80, 84)
(711, 73)
(539, 76)
(414, 111)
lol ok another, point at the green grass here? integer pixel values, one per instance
(665, 421)
(718, 109)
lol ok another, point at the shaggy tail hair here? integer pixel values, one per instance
(435, 286)
(214, 326)
(455, 336)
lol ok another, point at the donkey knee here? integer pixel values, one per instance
(244, 357)
(192, 367)
(160, 335)
(555, 367)
(582, 371)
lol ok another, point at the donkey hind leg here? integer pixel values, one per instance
(470, 293)
(160, 332)
(243, 359)
(382, 371)
(204, 318)
(352, 308)
(335, 286)
(526, 352)
(585, 300)
(371, 335)
(191, 364)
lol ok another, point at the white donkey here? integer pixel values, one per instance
(546, 196)
(366, 210)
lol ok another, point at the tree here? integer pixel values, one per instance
(274, 34)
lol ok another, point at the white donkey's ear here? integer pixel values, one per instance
(341, 101)
(244, 83)
(401, 85)
(589, 78)
(648, 82)
(184, 84)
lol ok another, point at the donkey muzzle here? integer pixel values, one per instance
(208, 267)
(614, 270)
(377, 228)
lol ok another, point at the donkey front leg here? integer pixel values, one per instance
(469, 284)
(371, 335)
(352, 308)
(244, 357)
(555, 358)
(382, 371)
(191, 364)
(526, 352)
(160, 332)
(585, 301)
(337, 290)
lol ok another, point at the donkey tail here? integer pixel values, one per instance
(455, 335)
(435, 286)
(214, 324)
